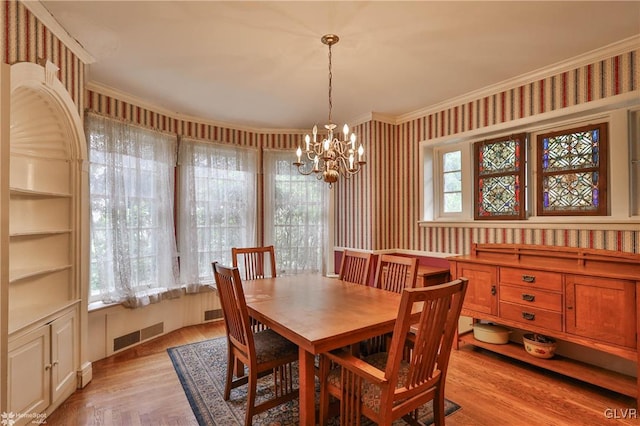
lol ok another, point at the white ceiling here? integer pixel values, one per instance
(261, 64)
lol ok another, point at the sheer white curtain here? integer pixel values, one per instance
(217, 207)
(131, 180)
(295, 214)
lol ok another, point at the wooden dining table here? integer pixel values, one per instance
(319, 314)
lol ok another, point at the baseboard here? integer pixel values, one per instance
(85, 374)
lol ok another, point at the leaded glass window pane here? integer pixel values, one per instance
(572, 171)
(500, 178)
(499, 157)
(499, 195)
(571, 191)
(571, 151)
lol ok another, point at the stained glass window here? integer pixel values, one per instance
(572, 171)
(500, 178)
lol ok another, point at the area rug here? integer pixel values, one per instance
(201, 368)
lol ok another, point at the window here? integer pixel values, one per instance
(131, 181)
(452, 182)
(217, 207)
(572, 171)
(499, 171)
(446, 182)
(295, 216)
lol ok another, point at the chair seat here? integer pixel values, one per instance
(371, 393)
(271, 346)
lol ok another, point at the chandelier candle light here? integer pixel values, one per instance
(332, 157)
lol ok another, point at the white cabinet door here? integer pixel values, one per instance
(63, 356)
(29, 377)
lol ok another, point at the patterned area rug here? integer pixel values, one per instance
(201, 368)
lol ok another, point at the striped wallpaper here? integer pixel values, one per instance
(26, 39)
(391, 211)
(119, 109)
(379, 208)
(459, 239)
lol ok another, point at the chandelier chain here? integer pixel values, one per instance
(330, 86)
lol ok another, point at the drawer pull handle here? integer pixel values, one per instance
(529, 316)
(529, 278)
(493, 290)
(529, 297)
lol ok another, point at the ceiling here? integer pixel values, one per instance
(262, 65)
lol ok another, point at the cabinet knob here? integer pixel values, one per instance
(47, 367)
(55, 363)
(493, 290)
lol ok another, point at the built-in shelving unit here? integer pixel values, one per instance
(46, 274)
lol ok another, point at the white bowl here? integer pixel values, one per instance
(490, 333)
(539, 346)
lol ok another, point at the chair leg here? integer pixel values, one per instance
(251, 396)
(438, 407)
(230, 366)
(324, 393)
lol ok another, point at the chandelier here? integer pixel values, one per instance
(331, 157)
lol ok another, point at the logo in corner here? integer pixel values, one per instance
(8, 419)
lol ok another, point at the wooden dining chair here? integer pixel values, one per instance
(261, 353)
(254, 262)
(395, 273)
(384, 386)
(355, 267)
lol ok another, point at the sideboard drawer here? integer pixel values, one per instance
(531, 297)
(525, 277)
(529, 316)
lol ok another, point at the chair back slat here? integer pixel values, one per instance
(355, 267)
(234, 307)
(438, 320)
(395, 273)
(255, 262)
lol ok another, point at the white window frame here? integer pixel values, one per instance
(434, 191)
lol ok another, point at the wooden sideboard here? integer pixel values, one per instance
(584, 296)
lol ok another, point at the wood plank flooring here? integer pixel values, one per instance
(140, 387)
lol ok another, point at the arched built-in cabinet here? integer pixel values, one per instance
(48, 270)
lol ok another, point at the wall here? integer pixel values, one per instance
(27, 39)
(386, 215)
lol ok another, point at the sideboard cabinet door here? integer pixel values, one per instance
(482, 291)
(601, 308)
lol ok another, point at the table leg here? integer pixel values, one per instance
(307, 388)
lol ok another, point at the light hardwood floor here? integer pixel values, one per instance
(139, 387)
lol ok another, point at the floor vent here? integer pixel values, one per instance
(126, 340)
(212, 314)
(151, 331)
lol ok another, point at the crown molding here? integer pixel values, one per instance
(613, 49)
(122, 96)
(49, 21)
